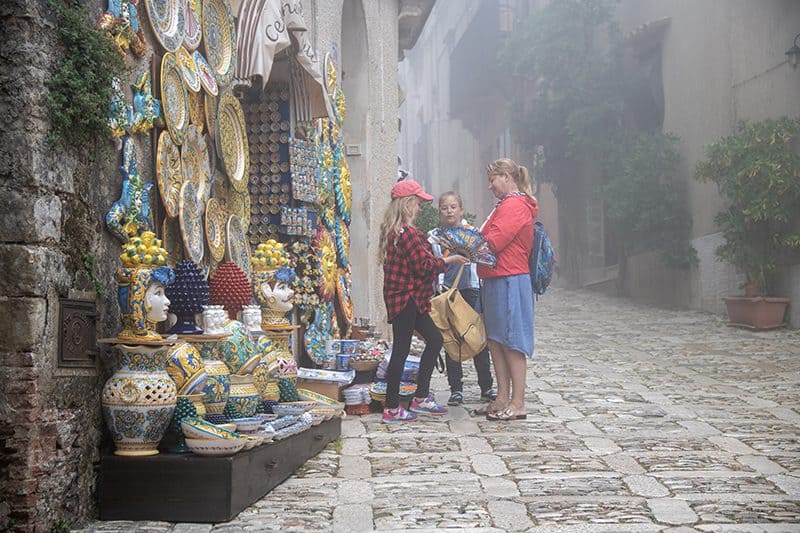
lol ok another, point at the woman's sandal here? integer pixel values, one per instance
(485, 410)
(505, 414)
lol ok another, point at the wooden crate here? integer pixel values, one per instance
(189, 488)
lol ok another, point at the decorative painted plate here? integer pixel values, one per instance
(345, 301)
(166, 18)
(174, 98)
(239, 205)
(192, 17)
(206, 74)
(196, 111)
(232, 146)
(220, 38)
(188, 69)
(191, 222)
(171, 240)
(238, 249)
(329, 71)
(211, 107)
(215, 229)
(169, 174)
(195, 165)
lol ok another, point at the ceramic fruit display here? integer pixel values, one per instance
(186, 368)
(187, 294)
(138, 400)
(141, 287)
(230, 288)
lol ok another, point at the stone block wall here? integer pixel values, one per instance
(51, 207)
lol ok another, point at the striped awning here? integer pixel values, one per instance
(267, 27)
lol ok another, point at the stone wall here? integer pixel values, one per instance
(51, 207)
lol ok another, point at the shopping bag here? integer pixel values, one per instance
(461, 326)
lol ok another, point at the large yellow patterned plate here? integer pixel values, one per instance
(188, 69)
(169, 174)
(166, 18)
(219, 33)
(174, 98)
(211, 107)
(191, 221)
(232, 146)
(215, 229)
(195, 164)
(238, 249)
(171, 239)
(192, 25)
(196, 111)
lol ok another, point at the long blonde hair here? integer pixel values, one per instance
(398, 213)
(517, 172)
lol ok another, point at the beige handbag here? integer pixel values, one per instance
(461, 326)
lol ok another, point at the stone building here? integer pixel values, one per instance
(58, 260)
(717, 62)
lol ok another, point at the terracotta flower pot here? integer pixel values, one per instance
(759, 313)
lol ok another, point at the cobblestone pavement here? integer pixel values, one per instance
(639, 419)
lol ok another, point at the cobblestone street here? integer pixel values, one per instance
(639, 419)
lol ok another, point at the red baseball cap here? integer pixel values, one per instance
(409, 187)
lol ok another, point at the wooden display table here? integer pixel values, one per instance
(190, 488)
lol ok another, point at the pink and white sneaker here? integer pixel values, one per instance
(428, 406)
(398, 415)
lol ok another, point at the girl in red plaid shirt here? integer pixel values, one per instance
(409, 270)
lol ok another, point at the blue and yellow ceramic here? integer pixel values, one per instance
(186, 368)
(133, 283)
(244, 398)
(138, 400)
(219, 33)
(237, 349)
(218, 380)
(167, 20)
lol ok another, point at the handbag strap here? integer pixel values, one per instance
(458, 277)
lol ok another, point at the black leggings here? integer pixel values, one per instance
(403, 327)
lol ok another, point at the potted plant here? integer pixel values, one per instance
(758, 174)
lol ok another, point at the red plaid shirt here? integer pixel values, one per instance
(409, 271)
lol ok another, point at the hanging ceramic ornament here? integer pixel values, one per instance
(131, 213)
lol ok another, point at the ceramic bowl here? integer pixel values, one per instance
(290, 409)
(217, 447)
(186, 368)
(230, 426)
(267, 417)
(247, 424)
(315, 397)
(196, 428)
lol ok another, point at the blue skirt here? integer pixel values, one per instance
(508, 310)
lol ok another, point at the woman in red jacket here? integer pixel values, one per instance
(409, 269)
(507, 295)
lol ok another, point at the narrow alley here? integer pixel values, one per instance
(639, 419)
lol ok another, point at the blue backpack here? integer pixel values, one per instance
(541, 262)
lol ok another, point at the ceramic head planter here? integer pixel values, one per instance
(273, 289)
(142, 280)
(251, 318)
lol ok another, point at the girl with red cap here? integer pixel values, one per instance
(409, 270)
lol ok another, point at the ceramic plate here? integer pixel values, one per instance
(174, 98)
(232, 146)
(191, 222)
(188, 69)
(206, 74)
(192, 25)
(195, 165)
(238, 249)
(166, 18)
(169, 174)
(329, 71)
(171, 240)
(196, 111)
(220, 38)
(211, 106)
(215, 229)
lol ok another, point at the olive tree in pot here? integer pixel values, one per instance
(758, 173)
